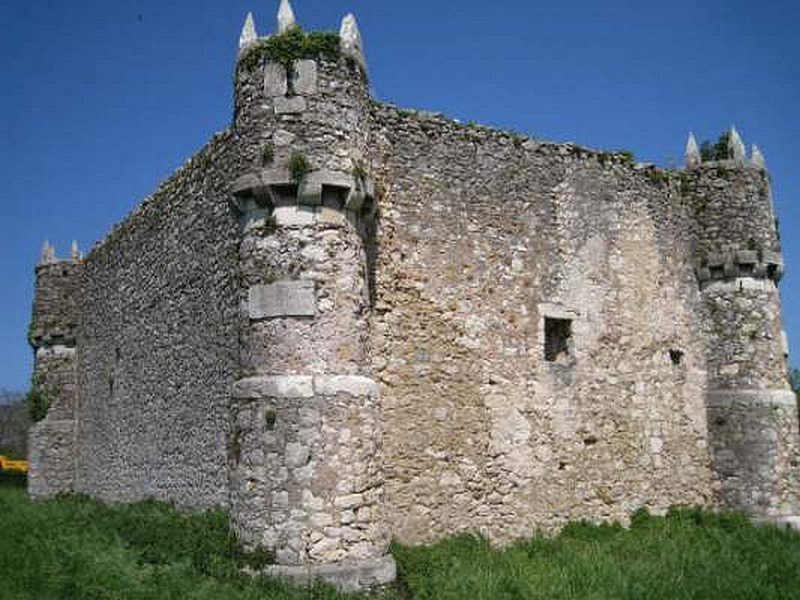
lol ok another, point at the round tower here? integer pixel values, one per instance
(53, 335)
(305, 452)
(752, 412)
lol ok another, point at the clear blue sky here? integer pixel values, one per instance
(101, 100)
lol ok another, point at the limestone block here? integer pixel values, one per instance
(248, 35)
(282, 299)
(294, 216)
(290, 105)
(305, 77)
(309, 192)
(353, 385)
(275, 83)
(346, 577)
(286, 18)
(284, 386)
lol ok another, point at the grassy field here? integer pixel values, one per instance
(77, 548)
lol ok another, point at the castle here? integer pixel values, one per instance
(347, 322)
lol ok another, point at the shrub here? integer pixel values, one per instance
(298, 166)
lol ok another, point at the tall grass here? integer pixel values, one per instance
(689, 554)
(73, 547)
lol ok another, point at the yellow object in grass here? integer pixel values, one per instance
(20, 466)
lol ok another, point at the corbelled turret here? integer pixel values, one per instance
(752, 413)
(298, 486)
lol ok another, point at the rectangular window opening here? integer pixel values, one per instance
(557, 339)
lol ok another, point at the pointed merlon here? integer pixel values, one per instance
(736, 146)
(75, 251)
(757, 158)
(692, 154)
(286, 18)
(350, 41)
(248, 35)
(48, 254)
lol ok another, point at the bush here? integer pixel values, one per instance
(38, 403)
(718, 151)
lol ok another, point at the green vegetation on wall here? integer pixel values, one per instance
(38, 402)
(292, 45)
(794, 380)
(298, 166)
(718, 151)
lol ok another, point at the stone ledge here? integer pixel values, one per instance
(267, 186)
(730, 398)
(304, 386)
(346, 577)
(741, 264)
(788, 522)
(55, 350)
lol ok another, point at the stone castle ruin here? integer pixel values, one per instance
(347, 322)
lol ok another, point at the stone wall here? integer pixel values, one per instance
(482, 236)
(158, 349)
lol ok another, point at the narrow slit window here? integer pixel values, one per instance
(557, 339)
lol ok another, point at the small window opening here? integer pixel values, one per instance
(557, 339)
(717, 272)
(676, 356)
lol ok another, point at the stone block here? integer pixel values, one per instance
(309, 193)
(294, 216)
(747, 257)
(292, 105)
(305, 77)
(282, 386)
(282, 299)
(275, 83)
(352, 385)
(346, 577)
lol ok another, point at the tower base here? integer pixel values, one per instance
(345, 577)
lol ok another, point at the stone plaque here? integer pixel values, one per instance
(282, 299)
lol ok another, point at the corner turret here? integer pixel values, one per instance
(752, 412)
(53, 335)
(300, 487)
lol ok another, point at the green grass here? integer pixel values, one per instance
(73, 547)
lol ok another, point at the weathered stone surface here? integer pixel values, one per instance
(757, 158)
(286, 18)
(248, 35)
(305, 77)
(282, 299)
(346, 577)
(279, 386)
(736, 146)
(290, 105)
(350, 40)
(692, 154)
(275, 81)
